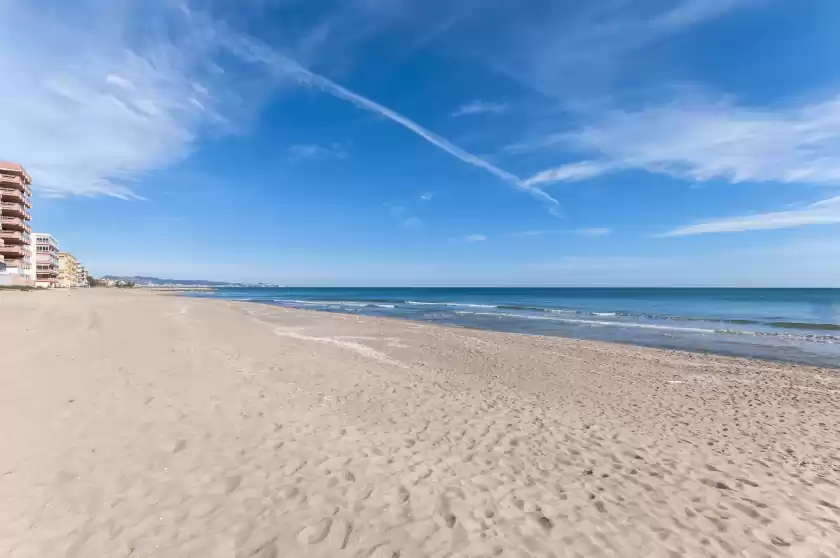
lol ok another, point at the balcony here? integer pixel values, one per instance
(14, 196)
(14, 210)
(11, 179)
(15, 224)
(11, 251)
(15, 237)
(14, 183)
(18, 263)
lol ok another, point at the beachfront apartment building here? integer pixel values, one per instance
(16, 249)
(47, 260)
(68, 270)
(71, 273)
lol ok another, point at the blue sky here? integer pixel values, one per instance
(397, 142)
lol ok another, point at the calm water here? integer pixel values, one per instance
(796, 325)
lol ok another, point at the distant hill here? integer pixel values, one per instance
(158, 282)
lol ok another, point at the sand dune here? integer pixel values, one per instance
(138, 424)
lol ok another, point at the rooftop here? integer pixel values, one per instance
(15, 168)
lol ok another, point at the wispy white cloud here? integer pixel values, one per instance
(577, 50)
(114, 79)
(413, 223)
(722, 141)
(594, 232)
(538, 232)
(91, 107)
(256, 52)
(436, 140)
(310, 151)
(427, 196)
(559, 48)
(571, 172)
(480, 107)
(104, 107)
(691, 12)
(826, 212)
(400, 213)
(588, 232)
(475, 238)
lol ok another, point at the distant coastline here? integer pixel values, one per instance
(157, 282)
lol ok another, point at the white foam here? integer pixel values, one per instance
(463, 304)
(330, 303)
(595, 322)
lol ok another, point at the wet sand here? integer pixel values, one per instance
(142, 424)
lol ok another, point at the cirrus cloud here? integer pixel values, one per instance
(825, 212)
(480, 107)
(594, 232)
(708, 141)
(95, 107)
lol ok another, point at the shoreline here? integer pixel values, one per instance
(834, 366)
(177, 289)
(172, 425)
(594, 344)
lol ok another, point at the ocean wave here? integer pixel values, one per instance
(638, 325)
(805, 325)
(525, 311)
(809, 337)
(463, 304)
(522, 307)
(328, 303)
(592, 322)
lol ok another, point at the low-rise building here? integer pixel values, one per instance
(46, 261)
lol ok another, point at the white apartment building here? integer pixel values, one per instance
(46, 260)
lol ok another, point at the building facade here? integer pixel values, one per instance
(47, 261)
(17, 264)
(68, 270)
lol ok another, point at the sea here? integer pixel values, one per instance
(790, 325)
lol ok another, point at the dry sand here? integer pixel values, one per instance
(152, 425)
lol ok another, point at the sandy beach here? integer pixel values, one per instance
(142, 424)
